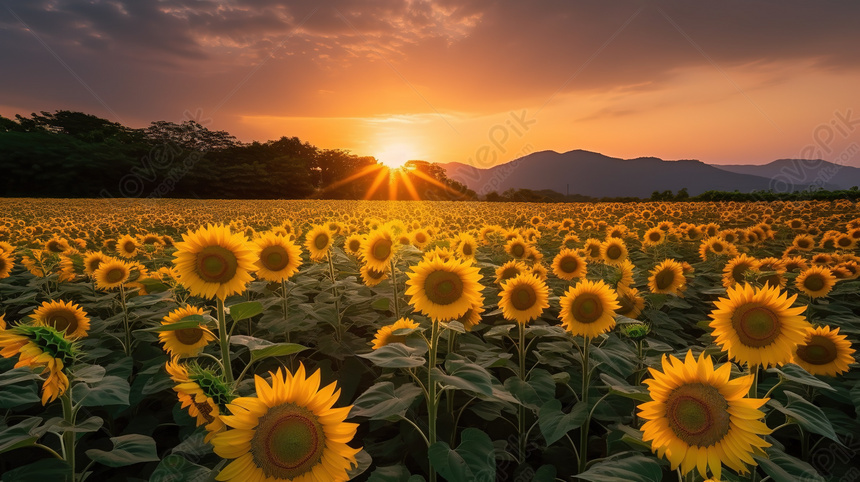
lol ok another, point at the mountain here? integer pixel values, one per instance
(593, 174)
(791, 172)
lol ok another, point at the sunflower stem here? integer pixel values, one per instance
(754, 386)
(431, 393)
(521, 410)
(224, 339)
(125, 320)
(337, 326)
(583, 433)
(394, 287)
(69, 435)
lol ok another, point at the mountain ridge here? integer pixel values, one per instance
(595, 174)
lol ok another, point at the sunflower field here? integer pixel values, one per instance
(192, 340)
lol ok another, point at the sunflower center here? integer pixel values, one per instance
(420, 237)
(321, 241)
(518, 250)
(216, 264)
(613, 252)
(381, 249)
(189, 336)
(819, 351)
(594, 251)
(523, 297)
(509, 273)
(115, 275)
(354, 245)
(625, 303)
(717, 247)
(467, 249)
(755, 325)
(63, 321)
(94, 264)
(664, 279)
(128, 246)
(568, 264)
(738, 271)
(288, 442)
(443, 287)
(586, 308)
(814, 282)
(655, 236)
(274, 258)
(698, 414)
(372, 273)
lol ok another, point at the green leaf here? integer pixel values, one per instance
(243, 311)
(539, 389)
(18, 395)
(16, 375)
(381, 304)
(396, 355)
(554, 423)
(797, 374)
(58, 425)
(278, 349)
(110, 390)
(630, 468)
(127, 450)
(383, 402)
(390, 473)
(782, 467)
(807, 415)
(46, 469)
(175, 468)
(190, 321)
(88, 373)
(546, 473)
(473, 460)
(19, 435)
(465, 375)
(624, 389)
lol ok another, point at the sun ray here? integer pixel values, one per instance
(383, 173)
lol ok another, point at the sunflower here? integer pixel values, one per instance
(443, 290)
(40, 347)
(629, 301)
(625, 274)
(613, 251)
(735, 270)
(653, 237)
(518, 248)
(824, 352)
(667, 277)
(523, 298)
(803, 242)
(65, 317)
(352, 244)
(815, 282)
(213, 262)
(421, 238)
(371, 277)
(592, 249)
(111, 273)
(127, 247)
(567, 265)
(6, 265)
(588, 309)
(758, 326)
(472, 316)
(187, 341)
(378, 249)
(92, 260)
(288, 432)
(385, 335)
(277, 258)
(203, 393)
(467, 245)
(699, 418)
(318, 242)
(510, 270)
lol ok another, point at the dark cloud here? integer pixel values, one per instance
(145, 58)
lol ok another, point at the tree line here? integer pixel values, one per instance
(74, 154)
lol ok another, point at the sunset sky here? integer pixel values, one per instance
(478, 82)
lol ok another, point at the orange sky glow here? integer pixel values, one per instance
(475, 82)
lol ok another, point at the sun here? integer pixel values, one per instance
(395, 156)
